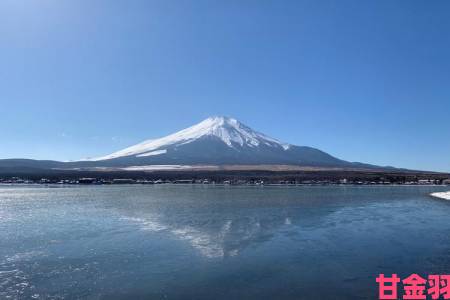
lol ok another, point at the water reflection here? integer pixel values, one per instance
(224, 238)
(188, 242)
(221, 223)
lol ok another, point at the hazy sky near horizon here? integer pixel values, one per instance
(364, 81)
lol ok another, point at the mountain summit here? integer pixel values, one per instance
(230, 131)
(218, 141)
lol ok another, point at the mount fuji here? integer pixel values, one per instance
(216, 141)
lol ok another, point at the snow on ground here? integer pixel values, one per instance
(442, 195)
(152, 153)
(162, 167)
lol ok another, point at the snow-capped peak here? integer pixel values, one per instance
(232, 132)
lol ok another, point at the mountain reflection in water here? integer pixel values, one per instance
(221, 242)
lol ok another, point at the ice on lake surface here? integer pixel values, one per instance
(217, 242)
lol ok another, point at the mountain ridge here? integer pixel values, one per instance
(214, 141)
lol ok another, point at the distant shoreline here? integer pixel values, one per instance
(3, 184)
(231, 177)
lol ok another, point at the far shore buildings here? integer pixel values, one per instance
(232, 181)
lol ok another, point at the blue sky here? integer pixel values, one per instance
(363, 80)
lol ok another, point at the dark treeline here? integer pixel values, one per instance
(221, 176)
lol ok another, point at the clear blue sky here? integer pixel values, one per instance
(363, 80)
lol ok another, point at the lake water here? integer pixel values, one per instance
(216, 242)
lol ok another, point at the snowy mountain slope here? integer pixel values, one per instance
(230, 131)
(216, 141)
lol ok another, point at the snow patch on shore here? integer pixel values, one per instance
(442, 195)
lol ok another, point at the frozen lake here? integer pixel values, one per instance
(216, 242)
